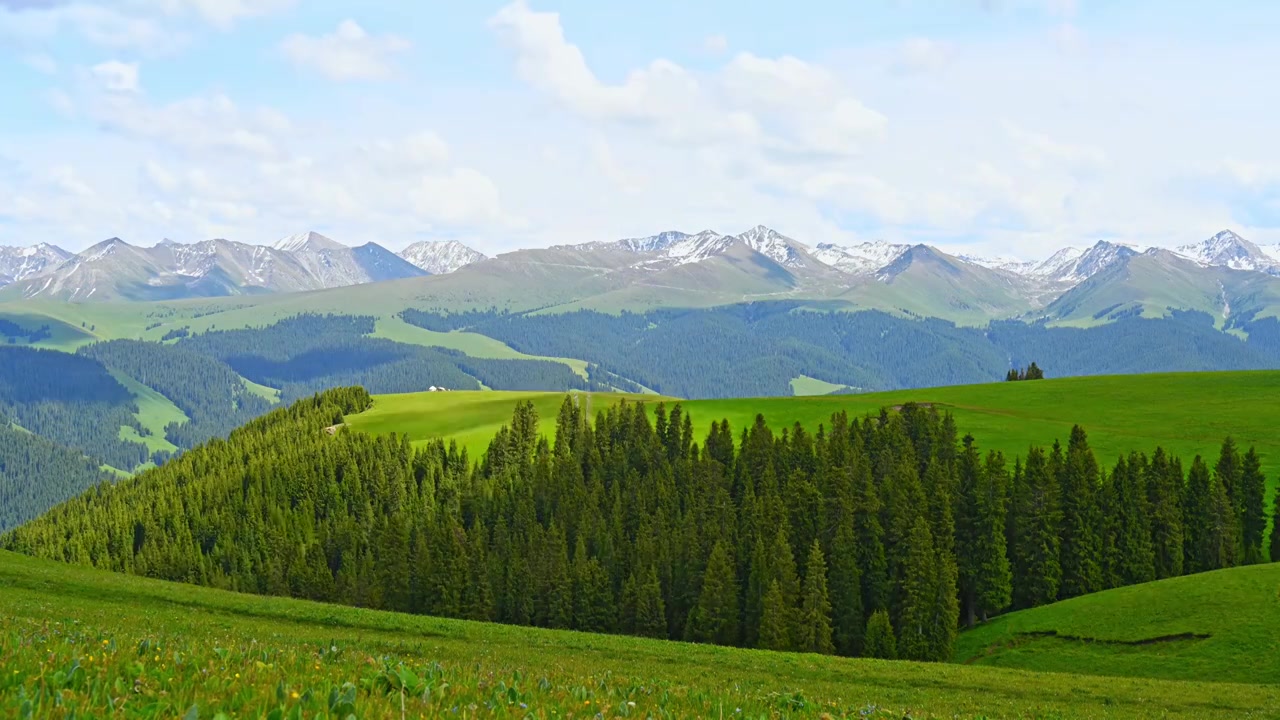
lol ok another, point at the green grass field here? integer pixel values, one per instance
(473, 344)
(85, 643)
(805, 386)
(1185, 413)
(155, 411)
(1222, 625)
(470, 418)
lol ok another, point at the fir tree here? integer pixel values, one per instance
(815, 633)
(918, 595)
(1253, 522)
(1275, 530)
(714, 619)
(985, 575)
(1080, 541)
(880, 641)
(1037, 572)
(846, 592)
(646, 613)
(1164, 496)
(777, 631)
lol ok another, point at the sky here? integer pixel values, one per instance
(992, 127)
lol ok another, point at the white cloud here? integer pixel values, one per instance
(103, 25)
(117, 76)
(920, 54)
(349, 53)
(220, 13)
(716, 44)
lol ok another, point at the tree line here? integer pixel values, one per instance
(877, 536)
(1030, 372)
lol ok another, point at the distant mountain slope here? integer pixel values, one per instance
(440, 258)
(115, 270)
(1225, 276)
(1157, 281)
(20, 263)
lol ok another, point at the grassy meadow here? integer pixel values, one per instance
(76, 642)
(1222, 625)
(1186, 413)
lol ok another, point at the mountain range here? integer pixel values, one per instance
(1224, 275)
(115, 270)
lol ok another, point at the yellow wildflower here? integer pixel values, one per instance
(294, 694)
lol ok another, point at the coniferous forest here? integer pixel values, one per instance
(878, 536)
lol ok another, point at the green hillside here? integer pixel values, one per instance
(470, 418)
(82, 641)
(1222, 625)
(1186, 413)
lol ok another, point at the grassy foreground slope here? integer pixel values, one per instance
(75, 640)
(1223, 625)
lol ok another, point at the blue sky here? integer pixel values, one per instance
(1001, 127)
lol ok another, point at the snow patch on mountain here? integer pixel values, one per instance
(866, 258)
(439, 258)
(20, 263)
(774, 245)
(307, 241)
(1227, 249)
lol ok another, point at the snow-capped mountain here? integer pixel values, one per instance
(20, 263)
(775, 246)
(439, 258)
(866, 258)
(333, 264)
(1227, 249)
(307, 242)
(114, 269)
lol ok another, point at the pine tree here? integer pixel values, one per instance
(1081, 543)
(777, 631)
(1228, 473)
(918, 595)
(815, 610)
(995, 576)
(593, 604)
(1164, 495)
(846, 592)
(880, 641)
(985, 575)
(1253, 523)
(1275, 530)
(1131, 558)
(1198, 517)
(945, 608)
(869, 532)
(714, 619)
(647, 614)
(1037, 572)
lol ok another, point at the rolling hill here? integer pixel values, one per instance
(1187, 414)
(1220, 626)
(178, 647)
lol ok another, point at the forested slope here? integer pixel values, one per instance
(757, 349)
(872, 537)
(310, 353)
(72, 400)
(36, 474)
(211, 394)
